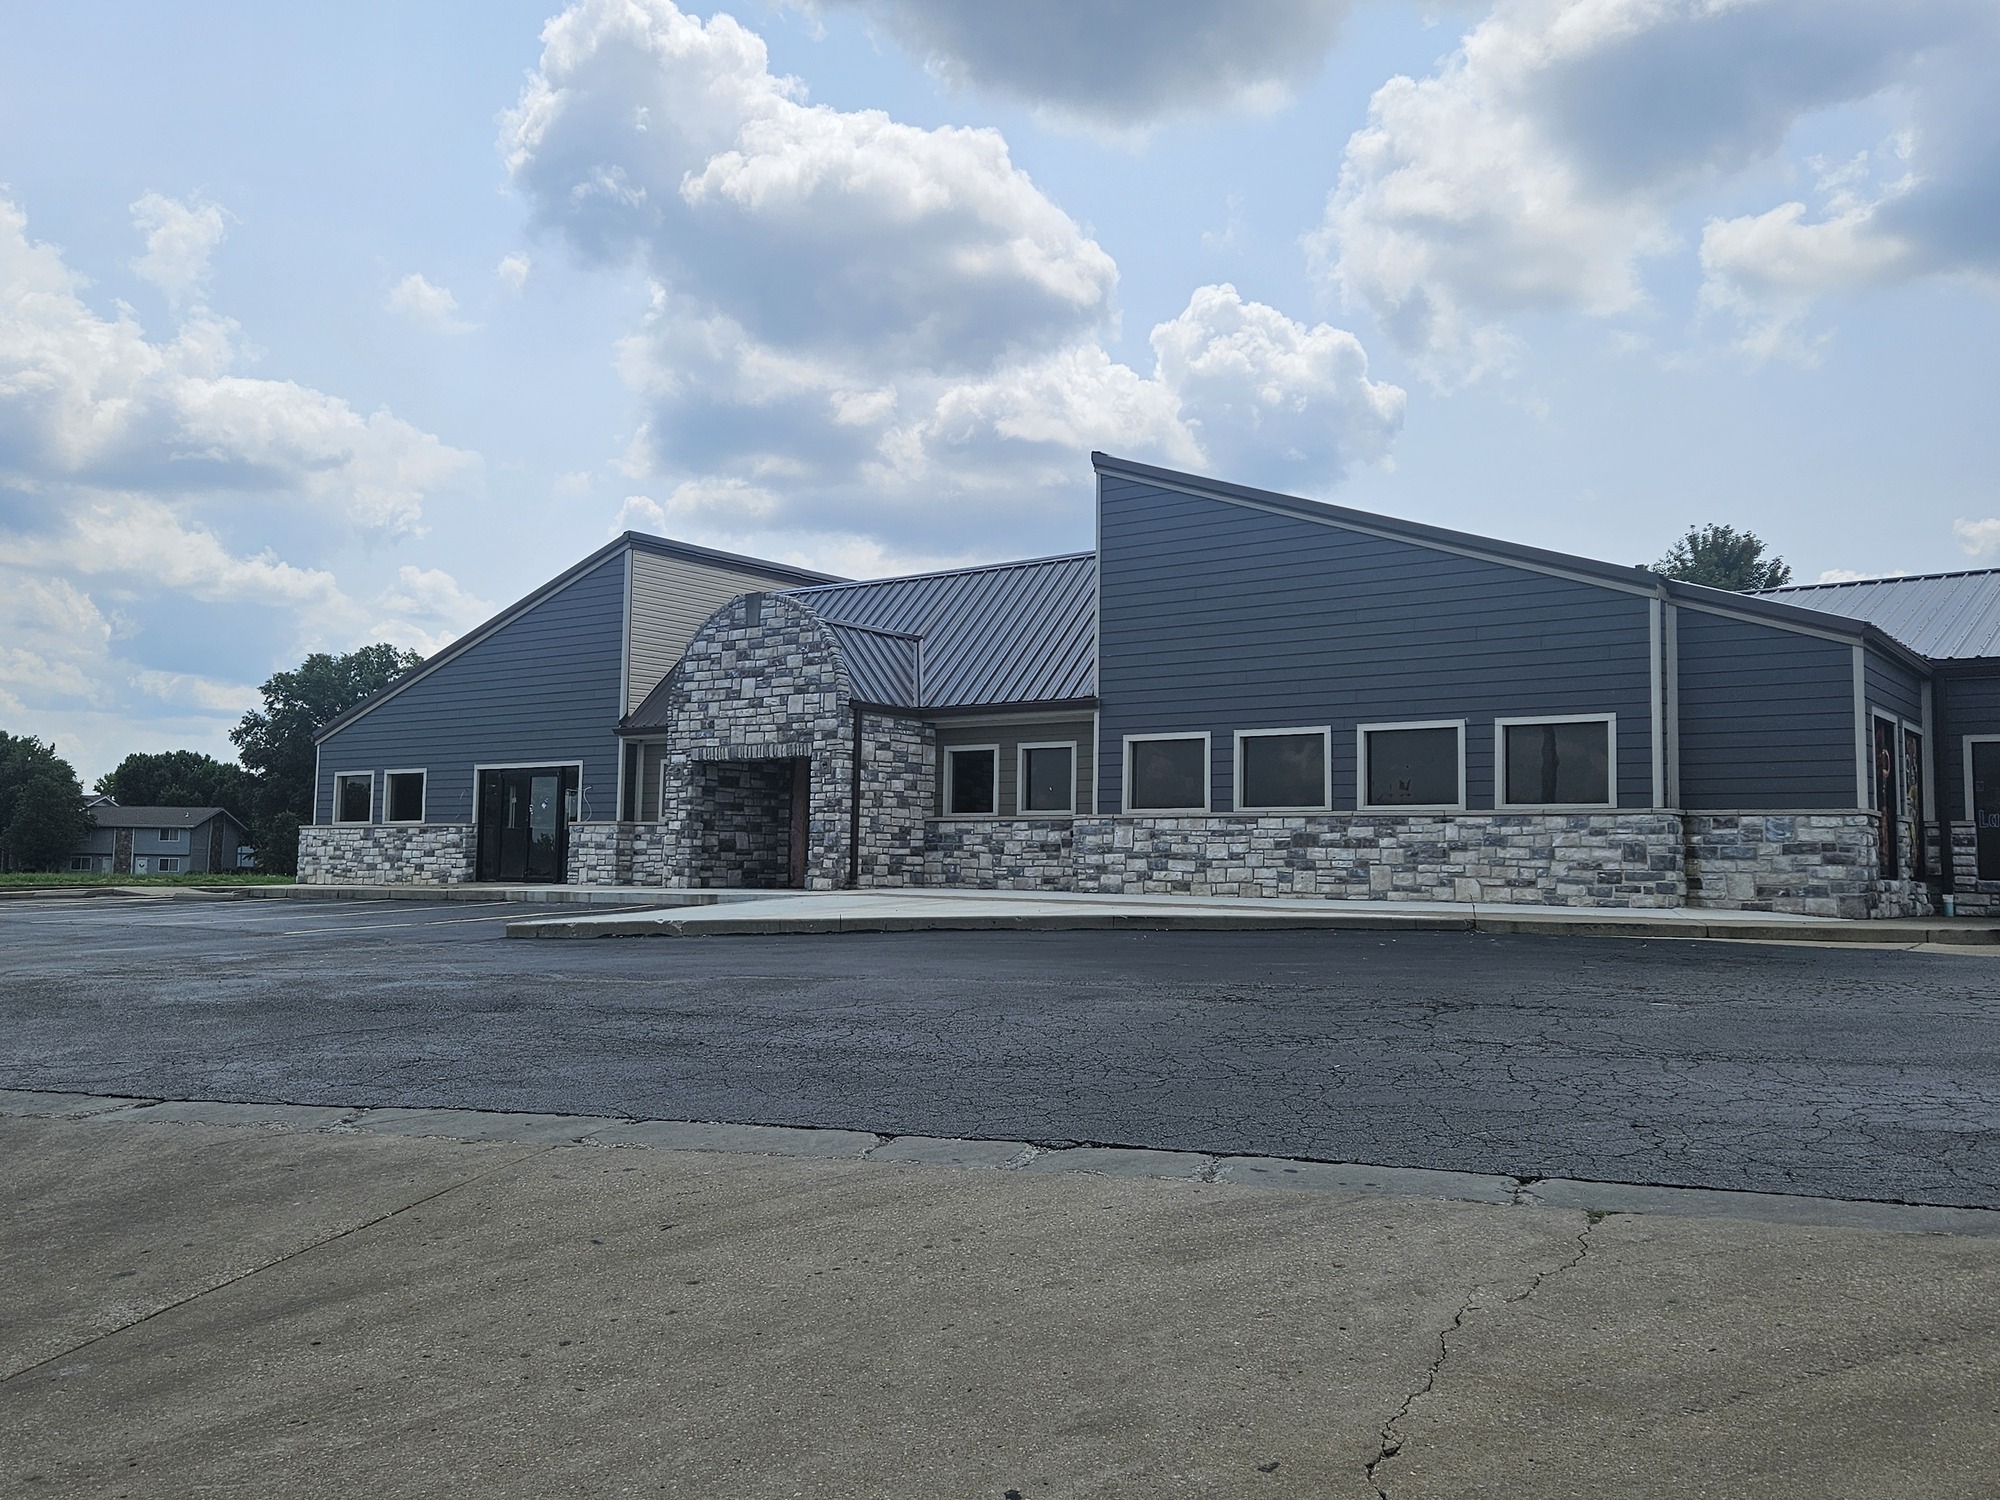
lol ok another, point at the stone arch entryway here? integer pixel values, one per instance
(772, 775)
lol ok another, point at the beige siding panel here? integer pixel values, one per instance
(671, 597)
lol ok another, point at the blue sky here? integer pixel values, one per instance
(324, 325)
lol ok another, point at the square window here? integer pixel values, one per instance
(1413, 765)
(1557, 763)
(353, 797)
(403, 797)
(1048, 778)
(972, 780)
(1284, 770)
(1167, 774)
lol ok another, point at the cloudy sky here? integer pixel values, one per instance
(326, 325)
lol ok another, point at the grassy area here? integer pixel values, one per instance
(49, 882)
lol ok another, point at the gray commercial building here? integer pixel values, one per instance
(1235, 692)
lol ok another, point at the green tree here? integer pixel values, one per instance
(42, 816)
(275, 742)
(181, 778)
(1723, 558)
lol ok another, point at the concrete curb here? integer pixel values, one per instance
(1596, 925)
(915, 1152)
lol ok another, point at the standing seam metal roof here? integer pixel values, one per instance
(1945, 616)
(1019, 632)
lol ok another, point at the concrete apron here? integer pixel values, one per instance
(202, 1309)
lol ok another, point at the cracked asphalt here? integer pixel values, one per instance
(1827, 1071)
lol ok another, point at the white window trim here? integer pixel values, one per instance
(173, 838)
(1125, 776)
(1021, 779)
(1325, 804)
(1971, 817)
(949, 752)
(423, 801)
(161, 860)
(340, 776)
(1361, 733)
(1500, 728)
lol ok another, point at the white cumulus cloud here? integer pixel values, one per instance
(427, 305)
(1539, 168)
(144, 478)
(861, 329)
(1977, 538)
(180, 240)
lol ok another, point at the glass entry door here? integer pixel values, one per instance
(524, 818)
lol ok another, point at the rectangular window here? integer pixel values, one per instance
(1556, 762)
(82, 862)
(972, 780)
(1282, 770)
(403, 796)
(1982, 776)
(1413, 765)
(1166, 773)
(170, 864)
(1048, 778)
(173, 838)
(354, 797)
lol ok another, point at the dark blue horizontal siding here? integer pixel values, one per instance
(1766, 716)
(1968, 704)
(1893, 687)
(543, 688)
(1221, 617)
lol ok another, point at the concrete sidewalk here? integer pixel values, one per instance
(201, 1309)
(967, 911)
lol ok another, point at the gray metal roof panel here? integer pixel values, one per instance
(1018, 632)
(1945, 616)
(882, 665)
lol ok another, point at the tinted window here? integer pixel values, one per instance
(406, 797)
(1048, 779)
(1412, 767)
(1169, 773)
(1556, 763)
(971, 789)
(1283, 770)
(350, 799)
(1986, 807)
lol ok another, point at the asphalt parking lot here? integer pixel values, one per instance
(1835, 1072)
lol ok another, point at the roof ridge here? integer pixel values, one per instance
(1839, 583)
(992, 567)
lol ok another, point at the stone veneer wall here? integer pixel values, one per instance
(741, 812)
(898, 771)
(600, 854)
(1972, 896)
(1001, 854)
(1821, 864)
(374, 854)
(1580, 859)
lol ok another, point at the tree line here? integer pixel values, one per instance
(268, 789)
